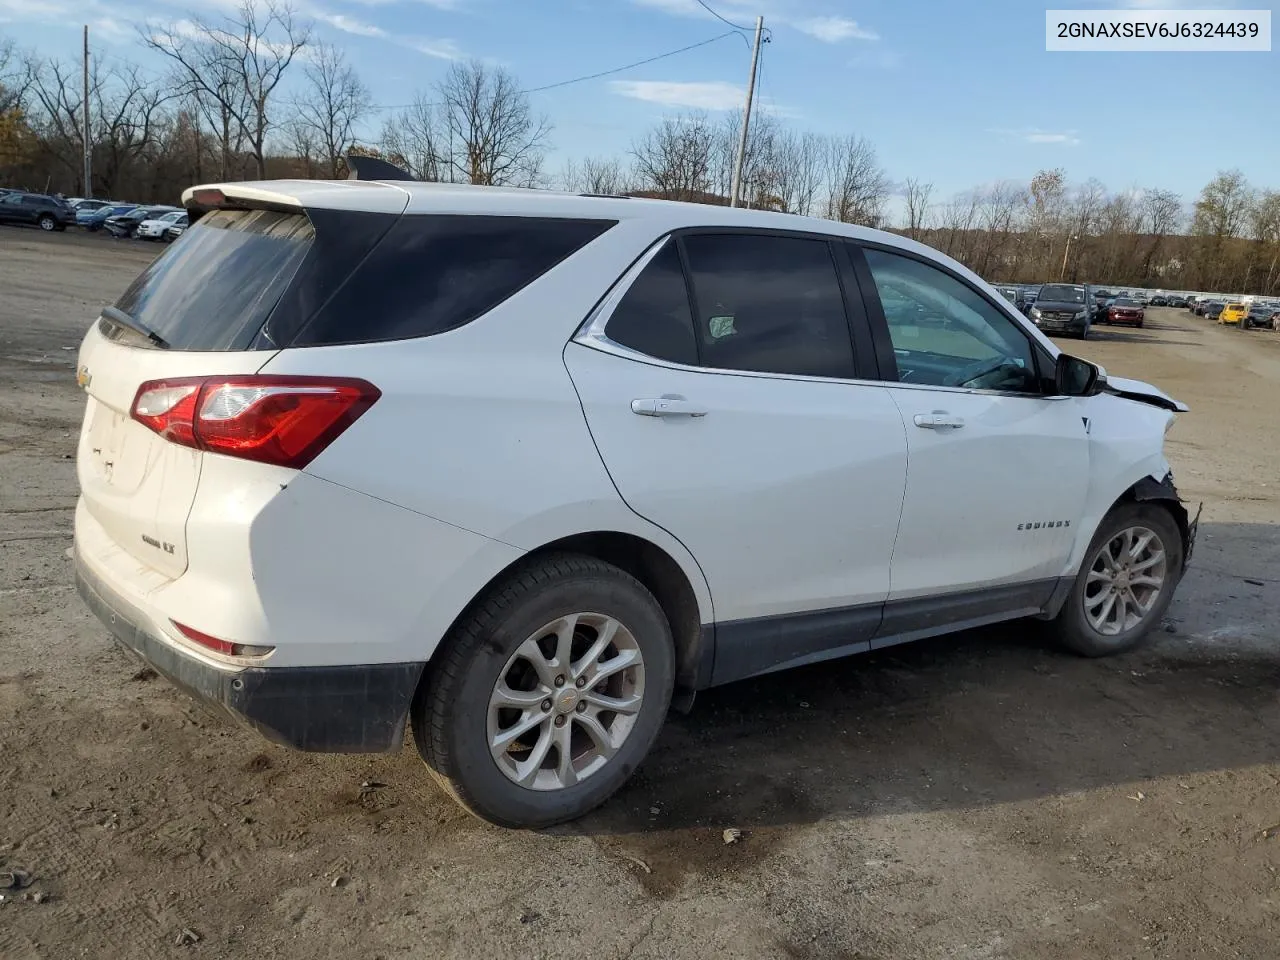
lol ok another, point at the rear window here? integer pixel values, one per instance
(215, 289)
(434, 272)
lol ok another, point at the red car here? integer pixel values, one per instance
(1126, 311)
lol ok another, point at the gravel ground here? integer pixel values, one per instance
(974, 796)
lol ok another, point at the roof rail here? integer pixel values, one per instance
(363, 167)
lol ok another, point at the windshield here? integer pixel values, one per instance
(223, 279)
(1059, 293)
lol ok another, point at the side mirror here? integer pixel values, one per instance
(1073, 377)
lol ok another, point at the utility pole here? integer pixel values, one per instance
(1065, 253)
(88, 147)
(736, 185)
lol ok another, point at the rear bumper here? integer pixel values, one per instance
(346, 709)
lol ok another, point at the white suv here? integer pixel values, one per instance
(526, 469)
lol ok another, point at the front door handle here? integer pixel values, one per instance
(938, 420)
(666, 407)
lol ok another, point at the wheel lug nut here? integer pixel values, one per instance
(560, 680)
(582, 706)
(581, 681)
(546, 706)
(560, 721)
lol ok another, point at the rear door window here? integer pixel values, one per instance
(767, 303)
(214, 290)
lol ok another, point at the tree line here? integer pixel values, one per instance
(252, 94)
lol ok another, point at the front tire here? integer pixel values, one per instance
(547, 693)
(1125, 583)
(46, 223)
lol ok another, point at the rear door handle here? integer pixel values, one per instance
(938, 420)
(666, 407)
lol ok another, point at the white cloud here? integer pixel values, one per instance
(440, 49)
(713, 95)
(340, 21)
(438, 4)
(835, 29)
(1035, 135)
(828, 29)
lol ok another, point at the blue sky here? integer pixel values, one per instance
(958, 94)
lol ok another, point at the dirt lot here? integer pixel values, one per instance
(975, 796)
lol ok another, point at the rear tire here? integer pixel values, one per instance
(521, 659)
(1114, 604)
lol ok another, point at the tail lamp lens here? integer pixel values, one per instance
(280, 420)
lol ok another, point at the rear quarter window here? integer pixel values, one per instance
(431, 273)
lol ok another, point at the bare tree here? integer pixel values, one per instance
(857, 185)
(602, 175)
(1221, 212)
(674, 158)
(331, 105)
(125, 108)
(235, 65)
(917, 196)
(492, 134)
(415, 139)
(15, 76)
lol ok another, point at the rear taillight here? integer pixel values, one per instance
(285, 421)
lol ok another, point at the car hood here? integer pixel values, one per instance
(1144, 393)
(1061, 306)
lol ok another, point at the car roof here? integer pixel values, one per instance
(414, 197)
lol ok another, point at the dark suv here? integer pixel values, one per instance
(1065, 308)
(36, 209)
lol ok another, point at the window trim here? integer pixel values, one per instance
(884, 341)
(591, 332)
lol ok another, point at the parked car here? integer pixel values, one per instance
(126, 224)
(1176, 301)
(1233, 312)
(175, 231)
(1012, 294)
(313, 539)
(1213, 309)
(86, 204)
(36, 210)
(1126, 311)
(1063, 308)
(1159, 301)
(1258, 315)
(92, 220)
(155, 228)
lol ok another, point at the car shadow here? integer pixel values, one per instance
(992, 716)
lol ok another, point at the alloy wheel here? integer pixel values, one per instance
(1125, 580)
(566, 701)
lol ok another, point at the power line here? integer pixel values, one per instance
(630, 66)
(707, 8)
(596, 76)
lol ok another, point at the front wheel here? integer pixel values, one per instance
(548, 693)
(1125, 583)
(46, 223)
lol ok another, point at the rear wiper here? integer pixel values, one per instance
(116, 315)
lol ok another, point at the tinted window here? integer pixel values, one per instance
(216, 288)
(770, 304)
(653, 316)
(945, 333)
(431, 273)
(1062, 294)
